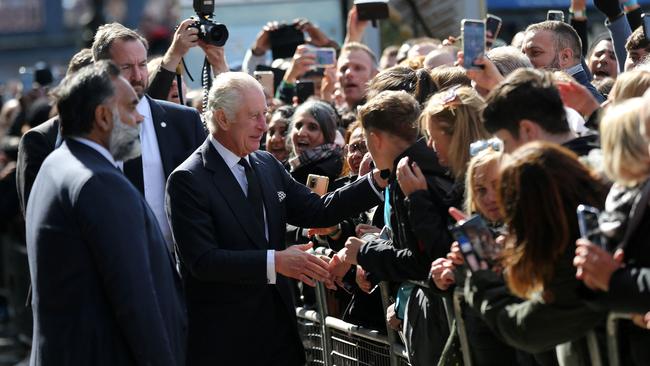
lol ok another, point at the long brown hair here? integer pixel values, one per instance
(541, 186)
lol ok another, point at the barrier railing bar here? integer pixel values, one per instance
(460, 327)
(612, 334)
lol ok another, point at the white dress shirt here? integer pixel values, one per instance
(238, 171)
(153, 173)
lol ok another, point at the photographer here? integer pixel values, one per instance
(185, 38)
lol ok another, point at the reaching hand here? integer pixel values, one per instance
(216, 57)
(363, 229)
(362, 280)
(410, 177)
(442, 273)
(318, 38)
(355, 27)
(185, 38)
(295, 262)
(488, 77)
(328, 84)
(576, 96)
(595, 265)
(322, 231)
(263, 40)
(338, 268)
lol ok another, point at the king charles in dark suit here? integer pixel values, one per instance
(228, 206)
(105, 288)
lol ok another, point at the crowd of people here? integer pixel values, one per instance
(167, 234)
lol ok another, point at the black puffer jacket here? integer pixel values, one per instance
(419, 223)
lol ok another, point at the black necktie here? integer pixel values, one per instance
(254, 192)
(133, 171)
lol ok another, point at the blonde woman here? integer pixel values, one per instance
(630, 84)
(620, 280)
(451, 122)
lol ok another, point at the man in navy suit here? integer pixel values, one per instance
(105, 289)
(228, 206)
(169, 133)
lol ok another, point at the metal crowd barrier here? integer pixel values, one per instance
(331, 341)
(612, 336)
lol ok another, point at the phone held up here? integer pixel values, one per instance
(492, 28)
(589, 226)
(473, 33)
(318, 184)
(477, 243)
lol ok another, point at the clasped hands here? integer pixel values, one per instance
(295, 262)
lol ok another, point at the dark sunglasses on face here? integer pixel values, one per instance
(359, 147)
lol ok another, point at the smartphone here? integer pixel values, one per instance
(325, 56)
(304, 90)
(588, 224)
(555, 15)
(473, 33)
(26, 78)
(645, 18)
(318, 184)
(472, 258)
(477, 243)
(492, 28)
(266, 79)
(285, 40)
(371, 9)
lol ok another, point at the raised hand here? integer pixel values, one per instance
(338, 268)
(410, 177)
(355, 27)
(185, 38)
(595, 265)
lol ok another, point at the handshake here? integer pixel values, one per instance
(298, 263)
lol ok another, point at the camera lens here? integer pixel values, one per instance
(216, 34)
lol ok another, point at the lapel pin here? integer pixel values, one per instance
(163, 124)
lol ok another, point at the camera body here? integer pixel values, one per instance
(210, 31)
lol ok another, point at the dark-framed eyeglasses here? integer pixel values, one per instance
(359, 147)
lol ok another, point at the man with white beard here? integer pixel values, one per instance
(105, 289)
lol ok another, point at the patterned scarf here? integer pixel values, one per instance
(316, 154)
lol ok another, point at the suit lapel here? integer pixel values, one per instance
(232, 193)
(270, 196)
(164, 134)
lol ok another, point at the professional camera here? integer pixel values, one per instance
(209, 31)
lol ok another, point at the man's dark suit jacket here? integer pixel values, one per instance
(105, 289)
(182, 133)
(235, 317)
